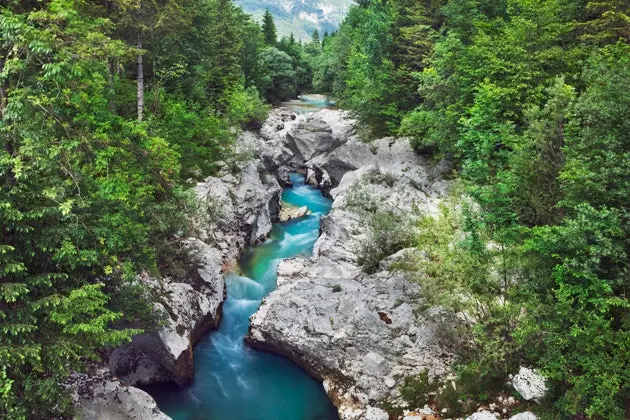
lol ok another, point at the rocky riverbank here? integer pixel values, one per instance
(236, 209)
(357, 333)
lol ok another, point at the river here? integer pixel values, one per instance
(308, 103)
(234, 381)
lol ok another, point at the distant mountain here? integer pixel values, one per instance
(300, 17)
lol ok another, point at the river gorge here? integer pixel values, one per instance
(278, 320)
(233, 381)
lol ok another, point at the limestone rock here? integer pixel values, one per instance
(527, 415)
(353, 331)
(289, 213)
(314, 124)
(341, 124)
(191, 307)
(236, 209)
(482, 415)
(246, 205)
(348, 157)
(98, 396)
(310, 139)
(307, 144)
(529, 384)
(375, 364)
(278, 123)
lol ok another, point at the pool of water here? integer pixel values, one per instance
(233, 381)
(308, 103)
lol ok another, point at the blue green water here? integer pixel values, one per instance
(308, 103)
(233, 381)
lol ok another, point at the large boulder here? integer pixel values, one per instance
(190, 307)
(341, 123)
(307, 144)
(348, 157)
(311, 139)
(99, 396)
(529, 384)
(245, 203)
(359, 334)
(279, 122)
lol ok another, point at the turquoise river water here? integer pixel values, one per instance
(234, 381)
(308, 103)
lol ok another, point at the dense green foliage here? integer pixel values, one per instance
(529, 98)
(107, 108)
(288, 65)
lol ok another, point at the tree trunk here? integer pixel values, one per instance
(111, 67)
(4, 87)
(140, 79)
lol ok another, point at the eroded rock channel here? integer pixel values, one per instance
(300, 281)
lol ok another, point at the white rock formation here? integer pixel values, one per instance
(482, 415)
(98, 396)
(236, 210)
(357, 333)
(527, 415)
(529, 384)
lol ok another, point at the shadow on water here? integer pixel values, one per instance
(233, 381)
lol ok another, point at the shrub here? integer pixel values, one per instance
(388, 233)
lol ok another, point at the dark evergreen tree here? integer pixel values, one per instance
(269, 29)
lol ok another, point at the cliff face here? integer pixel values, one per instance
(300, 17)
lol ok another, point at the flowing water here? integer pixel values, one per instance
(308, 103)
(233, 381)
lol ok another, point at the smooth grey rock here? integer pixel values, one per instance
(348, 157)
(375, 364)
(289, 213)
(98, 396)
(527, 415)
(247, 205)
(307, 144)
(341, 123)
(314, 124)
(482, 415)
(191, 307)
(529, 384)
(353, 331)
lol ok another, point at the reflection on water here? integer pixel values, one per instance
(233, 381)
(308, 103)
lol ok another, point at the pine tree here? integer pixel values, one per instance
(269, 29)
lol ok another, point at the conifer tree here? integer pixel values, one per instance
(269, 29)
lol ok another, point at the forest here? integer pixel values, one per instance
(111, 109)
(529, 99)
